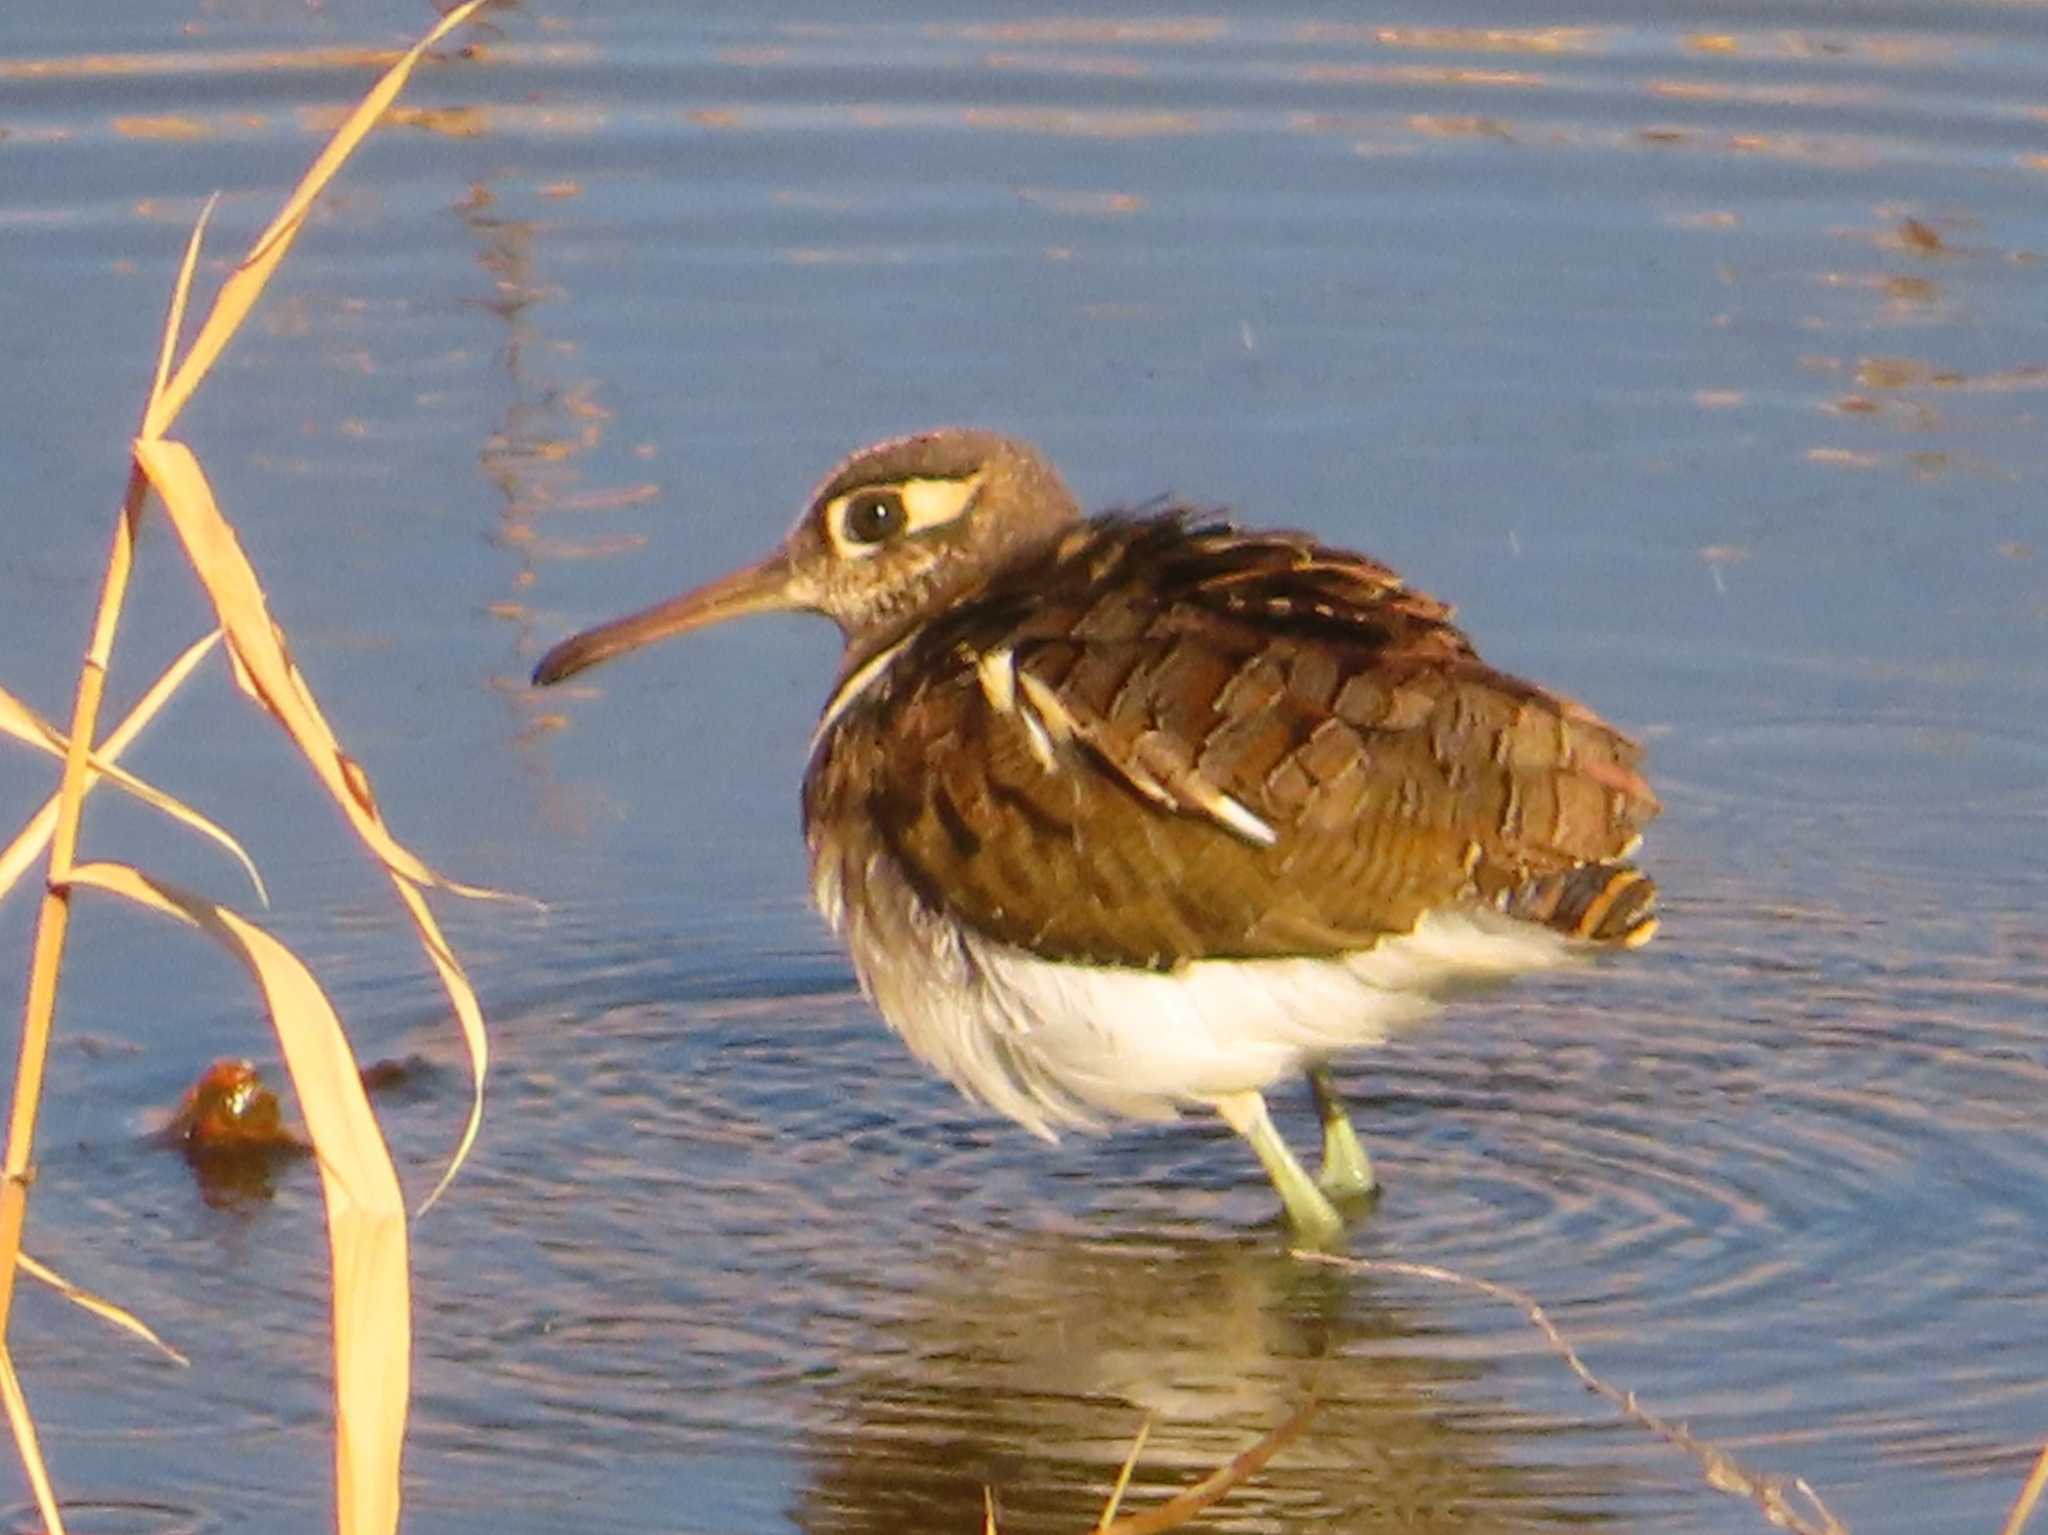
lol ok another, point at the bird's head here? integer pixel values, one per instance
(897, 531)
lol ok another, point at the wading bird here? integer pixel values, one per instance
(1124, 814)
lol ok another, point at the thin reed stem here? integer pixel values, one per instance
(2030, 1494)
(1792, 1505)
(53, 918)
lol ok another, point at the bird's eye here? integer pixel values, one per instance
(874, 516)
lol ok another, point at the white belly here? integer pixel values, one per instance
(1055, 1045)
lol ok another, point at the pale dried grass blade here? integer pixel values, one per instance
(1186, 1504)
(24, 724)
(1123, 1476)
(462, 996)
(2030, 1494)
(245, 284)
(258, 646)
(181, 290)
(24, 1426)
(26, 848)
(99, 1306)
(366, 1225)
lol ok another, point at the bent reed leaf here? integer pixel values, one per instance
(264, 665)
(246, 283)
(366, 1225)
(99, 1306)
(468, 1014)
(174, 320)
(28, 845)
(24, 724)
(1191, 1501)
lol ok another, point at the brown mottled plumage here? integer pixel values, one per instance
(1123, 813)
(1398, 772)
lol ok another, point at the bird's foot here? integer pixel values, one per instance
(1347, 1172)
(1313, 1219)
(1318, 1226)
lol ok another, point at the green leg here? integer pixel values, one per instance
(1315, 1220)
(1347, 1170)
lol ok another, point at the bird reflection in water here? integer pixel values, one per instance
(1027, 1368)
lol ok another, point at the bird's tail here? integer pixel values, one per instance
(1606, 902)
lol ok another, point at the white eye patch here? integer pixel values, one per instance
(863, 521)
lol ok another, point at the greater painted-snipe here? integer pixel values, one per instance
(1123, 814)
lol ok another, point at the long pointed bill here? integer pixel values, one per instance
(759, 588)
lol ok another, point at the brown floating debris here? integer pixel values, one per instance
(1920, 235)
(231, 1110)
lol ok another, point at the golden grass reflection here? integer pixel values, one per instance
(1088, 123)
(1087, 30)
(1419, 74)
(1538, 40)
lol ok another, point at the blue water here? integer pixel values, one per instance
(1697, 356)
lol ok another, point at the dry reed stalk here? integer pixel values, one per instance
(366, 1219)
(23, 1423)
(2030, 1494)
(1723, 1472)
(1123, 1476)
(53, 916)
(1189, 1502)
(1211, 1489)
(53, 921)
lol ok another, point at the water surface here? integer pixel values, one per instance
(1697, 355)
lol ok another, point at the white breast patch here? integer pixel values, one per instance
(1054, 1045)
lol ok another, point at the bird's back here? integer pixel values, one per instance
(1158, 740)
